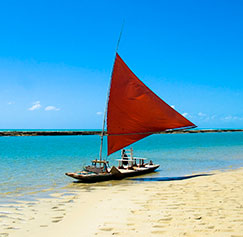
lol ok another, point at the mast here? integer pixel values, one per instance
(108, 93)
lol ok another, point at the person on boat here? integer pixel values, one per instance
(124, 157)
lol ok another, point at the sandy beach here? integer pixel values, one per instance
(202, 206)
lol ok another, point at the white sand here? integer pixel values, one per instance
(201, 206)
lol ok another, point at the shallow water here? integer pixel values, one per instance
(34, 166)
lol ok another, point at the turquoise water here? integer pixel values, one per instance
(35, 164)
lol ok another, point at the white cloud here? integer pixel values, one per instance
(232, 118)
(99, 113)
(36, 105)
(201, 114)
(51, 107)
(228, 117)
(185, 114)
(172, 106)
(11, 102)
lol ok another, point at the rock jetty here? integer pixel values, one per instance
(98, 132)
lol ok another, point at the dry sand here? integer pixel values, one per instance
(201, 206)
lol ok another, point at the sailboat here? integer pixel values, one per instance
(133, 112)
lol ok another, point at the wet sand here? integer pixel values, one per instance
(201, 206)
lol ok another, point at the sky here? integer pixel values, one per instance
(56, 59)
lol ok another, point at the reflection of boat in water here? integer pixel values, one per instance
(133, 112)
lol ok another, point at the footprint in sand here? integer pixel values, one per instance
(202, 223)
(11, 228)
(106, 229)
(4, 234)
(165, 219)
(210, 227)
(57, 219)
(159, 226)
(130, 224)
(157, 232)
(59, 209)
(69, 201)
(115, 233)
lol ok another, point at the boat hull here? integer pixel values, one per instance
(118, 174)
(91, 178)
(139, 171)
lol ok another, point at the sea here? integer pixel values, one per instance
(35, 166)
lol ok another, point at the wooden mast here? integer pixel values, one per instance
(107, 98)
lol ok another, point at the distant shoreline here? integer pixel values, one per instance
(98, 132)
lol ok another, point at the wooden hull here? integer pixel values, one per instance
(91, 178)
(118, 174)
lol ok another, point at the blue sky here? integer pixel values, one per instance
(56, 59)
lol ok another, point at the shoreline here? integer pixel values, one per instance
(203, 206)
(97, 132)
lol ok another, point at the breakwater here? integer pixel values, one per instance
(98, 132)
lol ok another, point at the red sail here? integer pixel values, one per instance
(134, 111)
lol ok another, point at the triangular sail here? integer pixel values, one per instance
(134, 111)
